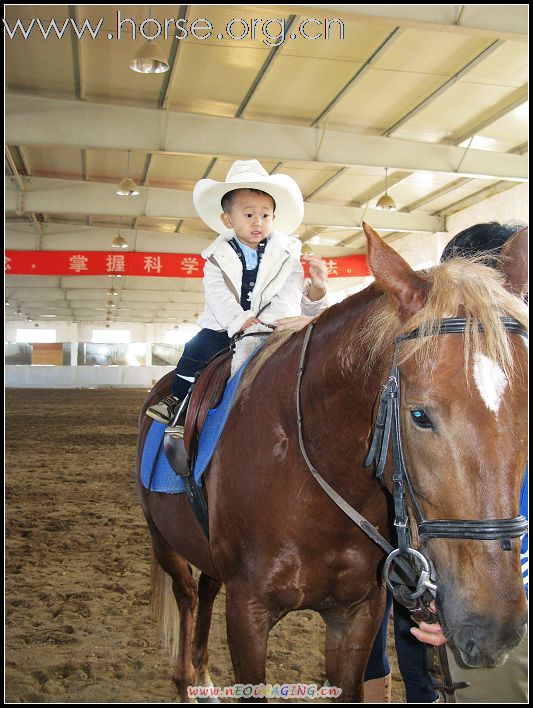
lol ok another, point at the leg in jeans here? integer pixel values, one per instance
(412, 659)
(197, 353)
(378, 680)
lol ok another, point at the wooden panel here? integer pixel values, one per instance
(47, 354)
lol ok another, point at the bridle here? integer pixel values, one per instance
(415, 566)
(388, 425)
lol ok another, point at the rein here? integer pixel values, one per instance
(388, 426)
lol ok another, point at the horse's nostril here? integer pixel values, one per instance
(470, 646)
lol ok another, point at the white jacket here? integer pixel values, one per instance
(277, 292)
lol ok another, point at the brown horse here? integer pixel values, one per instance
(278, 543)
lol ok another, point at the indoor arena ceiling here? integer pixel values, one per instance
(437, 94)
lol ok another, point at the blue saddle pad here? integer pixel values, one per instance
(156, 472)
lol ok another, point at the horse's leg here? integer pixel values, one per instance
(185, 593)
(207, 591)
(349, 640)
(248, 624)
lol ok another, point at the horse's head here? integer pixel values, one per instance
(463, 420)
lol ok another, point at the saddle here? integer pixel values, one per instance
(181, 446)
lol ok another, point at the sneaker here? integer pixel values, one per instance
(165, 410)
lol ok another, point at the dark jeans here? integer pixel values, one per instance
(412, 656)
(197, 353)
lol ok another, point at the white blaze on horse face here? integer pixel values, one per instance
(490, 380)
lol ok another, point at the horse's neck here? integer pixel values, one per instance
(337, 398)
(340, 351)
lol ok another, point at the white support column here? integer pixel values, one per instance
(74, 344)
(149, 339)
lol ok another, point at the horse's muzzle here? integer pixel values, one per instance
(482, 642)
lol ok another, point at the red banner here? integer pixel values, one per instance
(167, 265)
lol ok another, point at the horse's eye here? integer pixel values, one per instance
(420, 418)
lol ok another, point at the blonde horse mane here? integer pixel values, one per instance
(460, 287)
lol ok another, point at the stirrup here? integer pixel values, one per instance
(175, 431)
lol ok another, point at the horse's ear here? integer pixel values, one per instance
(395, 277)
(514, 262)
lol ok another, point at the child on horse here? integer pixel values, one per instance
(252, 273)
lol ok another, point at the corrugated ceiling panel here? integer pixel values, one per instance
(461, 104)
(24, 65)
(359, 43)
(509, 131)
(381, 98)
(214, 79)
(107, 75)
(180, 172)
(309, 177)
(299, 89)
(506, 66)
(438, 53)
(110, 165)
(456, 195)
(55, 162)
(418, 187)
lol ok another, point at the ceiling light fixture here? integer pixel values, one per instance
(127, 187)
(385, 201)
(119, 242)
(149, 59)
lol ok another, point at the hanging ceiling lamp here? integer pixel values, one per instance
(385, 201)
(119, 242)
(127, 187)
(149, 59)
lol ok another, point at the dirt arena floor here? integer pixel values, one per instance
(78, 626)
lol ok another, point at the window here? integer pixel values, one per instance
(36, 335)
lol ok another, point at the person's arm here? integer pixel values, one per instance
(315, 292)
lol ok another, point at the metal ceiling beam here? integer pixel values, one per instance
(393, 36)
(262, 72)
(519, 97)
(75, 45)
(170, 75)
(472, 199)
(325, 184)
(445, 86)
(436, 194)
(71, 197)
(20, 205)
(35, 121)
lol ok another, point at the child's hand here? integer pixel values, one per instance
(292, 323)
(318, 272)
(249, 322)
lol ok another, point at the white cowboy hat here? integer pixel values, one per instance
(250, 174)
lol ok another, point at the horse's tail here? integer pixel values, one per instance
(165, 609)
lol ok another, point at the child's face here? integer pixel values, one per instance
(251, 217)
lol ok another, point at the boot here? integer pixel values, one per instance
(165, 410)
(378, 690)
